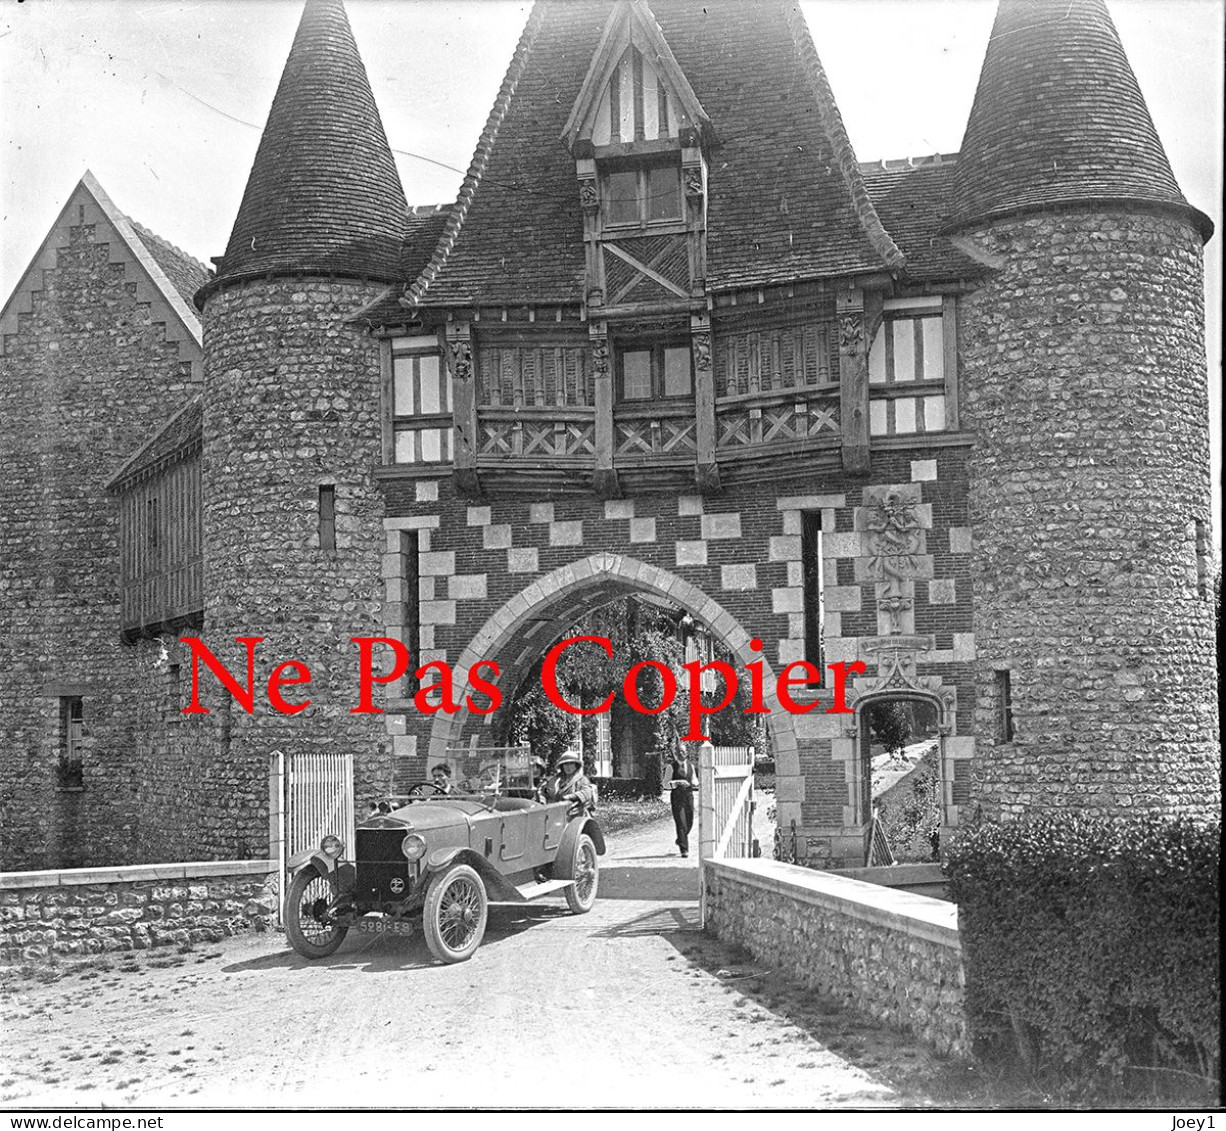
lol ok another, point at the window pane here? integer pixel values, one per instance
(636, 375)
(904, 414)
(622, 197)
(431, 450)
(876, 418)
(430, 399)
(904, 349)
(934, 349)
(404, 401)
(934, 414)
(677, 372)
(405, 447)
(663, 192)
(876, 356)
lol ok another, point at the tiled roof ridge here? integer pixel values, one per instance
(895, 164)
(836, 134)
(485, 144)
(147, 233)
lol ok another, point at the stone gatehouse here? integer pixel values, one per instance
(944, 420)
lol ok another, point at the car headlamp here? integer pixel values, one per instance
(332, 846)
(413, 847)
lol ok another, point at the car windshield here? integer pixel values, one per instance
(499, 770)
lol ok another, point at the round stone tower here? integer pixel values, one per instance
(1083, 364)
(292, 518)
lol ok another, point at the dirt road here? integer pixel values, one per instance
(629, 1005)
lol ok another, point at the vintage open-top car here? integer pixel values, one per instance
(443, 857)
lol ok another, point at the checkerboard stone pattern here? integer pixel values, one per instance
(735, 561)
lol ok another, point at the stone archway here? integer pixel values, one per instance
(859, 776)
(567, 587)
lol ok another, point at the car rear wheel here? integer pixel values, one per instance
(586, 872)
(455, 913)
(312, 931)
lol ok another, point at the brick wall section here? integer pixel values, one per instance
(890, 955)
(1089, 400)
(88, 376)
(67, 915)
(291, 403)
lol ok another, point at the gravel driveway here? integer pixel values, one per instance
(629, 1005)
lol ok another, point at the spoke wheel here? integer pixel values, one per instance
(586, 871)
(312, 931)
(455, 914)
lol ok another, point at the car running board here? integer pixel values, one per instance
(547, 887)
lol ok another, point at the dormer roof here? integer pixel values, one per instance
(786, 198)
(635, 90)
(323, 196)
(1059, 120)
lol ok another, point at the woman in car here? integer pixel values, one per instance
(569, 783)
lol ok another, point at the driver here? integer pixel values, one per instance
(569, 783)
(440, 776)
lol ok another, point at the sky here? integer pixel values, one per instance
(163, 100)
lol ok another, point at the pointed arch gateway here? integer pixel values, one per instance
(563, 592)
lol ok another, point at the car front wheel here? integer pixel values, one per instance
(312, 931)
(582, 893)
(455, 913)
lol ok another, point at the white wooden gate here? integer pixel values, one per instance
(725, 805)
(310, 797)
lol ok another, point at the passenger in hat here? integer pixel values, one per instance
(569, 783)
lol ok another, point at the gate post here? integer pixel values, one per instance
(706, 822)
(276, 824)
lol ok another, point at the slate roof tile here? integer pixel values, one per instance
(785, 196)
(323, 195)
(185, 273)
(913, 199)
(181, 432)
(1058, 118)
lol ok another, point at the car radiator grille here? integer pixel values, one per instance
(382, 866)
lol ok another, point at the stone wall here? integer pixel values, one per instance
(1088, 398)
(96, 910)
(889, 955)
(93, 365)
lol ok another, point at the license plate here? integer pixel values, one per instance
(382, 926)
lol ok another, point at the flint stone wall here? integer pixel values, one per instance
(1088, 398)
(96, 910)
(890, 955)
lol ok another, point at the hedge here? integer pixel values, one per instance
(625, 789)
(1090, 945)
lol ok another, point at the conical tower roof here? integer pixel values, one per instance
(1059, 120)
(323, 196)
